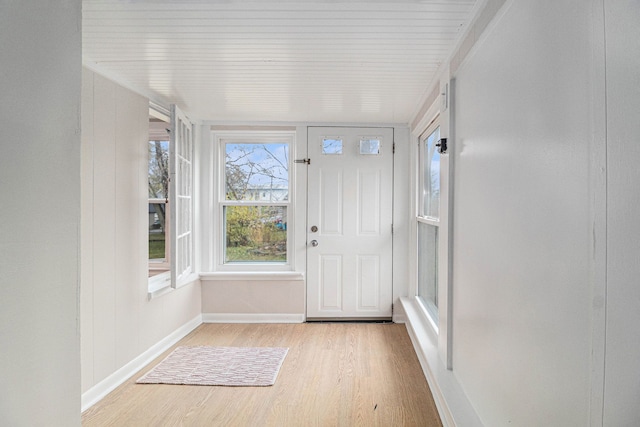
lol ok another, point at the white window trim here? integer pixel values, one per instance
(182, 151)
(219, 138)
(440, 111)
(435, 124)
(277, 276)
(160, 284)
(428, 220)
(430, 311)
(170, 280)
(167, 253)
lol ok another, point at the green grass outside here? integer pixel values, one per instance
(156, 246)
(247, 254)
(234, 254)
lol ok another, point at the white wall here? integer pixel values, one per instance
(40, 212)
(522, 221)
(622, 386)
(257, 300)
(529, 149)
(119, 323)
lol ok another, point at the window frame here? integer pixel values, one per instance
(422, 152)
(164, 264)
(182, 194)
(429, 307)
(157, 283)
(182, 184)
(220, 139)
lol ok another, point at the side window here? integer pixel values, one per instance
(254, 201)
(158, 189)
(429, 222)
(431, 175)
(170, 212)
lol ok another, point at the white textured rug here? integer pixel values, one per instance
(225, 366)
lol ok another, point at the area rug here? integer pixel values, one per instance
(221, 366)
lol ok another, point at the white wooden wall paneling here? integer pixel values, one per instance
(128, 230)
(86, 232)
(104, 249)
(622, 373)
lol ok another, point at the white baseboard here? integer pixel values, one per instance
(399, 315)
(252, 318)
(453, 406)
(106, 386)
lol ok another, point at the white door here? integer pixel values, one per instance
(349, 223)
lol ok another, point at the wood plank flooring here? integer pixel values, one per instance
(335, 374)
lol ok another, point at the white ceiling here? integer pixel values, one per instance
(276, 60)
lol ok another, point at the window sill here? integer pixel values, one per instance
(159, 285)
(159, 292)
(452, 403)
(430, 313)
(253, 275)
(428, 220)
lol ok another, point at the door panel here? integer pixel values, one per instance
(369, 187)
(350, 198)
(368, 282)
(331, 282)
(331, 214)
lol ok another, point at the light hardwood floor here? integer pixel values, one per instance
(335, 374)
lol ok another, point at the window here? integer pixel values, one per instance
(159, 236)
(170, 204)
(255, 206)
(429, 222)
(428, 267)
(370, 146)
(332, 145)
(431, 176)
(159, 215)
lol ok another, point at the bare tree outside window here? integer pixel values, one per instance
(257, 191)
(158, 185)
(158, 169)
(252, 170)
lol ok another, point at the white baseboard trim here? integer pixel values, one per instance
(106, 386)
(453, 406)
(253, 318)
(399, 315)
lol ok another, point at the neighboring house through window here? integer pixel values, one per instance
(254, 200)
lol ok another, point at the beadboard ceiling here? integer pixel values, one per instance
(276, 60)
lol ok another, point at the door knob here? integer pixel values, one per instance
(314, 243)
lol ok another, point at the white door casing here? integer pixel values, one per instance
(350, 201)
